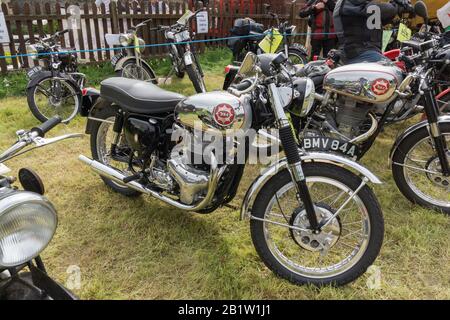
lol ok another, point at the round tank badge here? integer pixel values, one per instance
(380, 86)
(224, 114)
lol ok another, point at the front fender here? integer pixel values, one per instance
(259, 183)
(411, 130)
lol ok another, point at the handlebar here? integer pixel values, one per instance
(47, 126)
(237, 91)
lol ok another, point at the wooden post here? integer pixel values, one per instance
(114, 12)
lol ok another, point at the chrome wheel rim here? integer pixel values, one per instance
(53, 101)
(422, 173)
(342, 252)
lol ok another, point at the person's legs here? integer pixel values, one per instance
(316, 47)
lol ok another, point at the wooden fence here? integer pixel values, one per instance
(26, 23)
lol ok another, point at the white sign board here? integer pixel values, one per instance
(202, 22)
(4, 36)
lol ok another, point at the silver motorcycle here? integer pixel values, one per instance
(28, 222)
(313, 217)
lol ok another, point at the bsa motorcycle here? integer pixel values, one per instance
(358, 100)
(312, 219)
(28, 222)
(54, 86)
(128, 63)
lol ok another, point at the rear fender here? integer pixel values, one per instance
(93, 115)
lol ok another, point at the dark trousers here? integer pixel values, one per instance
(319, 45)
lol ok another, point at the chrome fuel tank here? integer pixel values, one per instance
(368, 82)
(218, 111)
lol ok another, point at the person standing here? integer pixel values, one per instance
(320, 13)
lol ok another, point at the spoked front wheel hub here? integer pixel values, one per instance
(438, 179)
(316, 242)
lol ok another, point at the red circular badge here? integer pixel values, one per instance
(224, 114)
(380, 86)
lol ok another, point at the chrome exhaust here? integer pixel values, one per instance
(113, 174)
(369, 132)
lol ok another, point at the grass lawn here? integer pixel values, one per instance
(144, 249)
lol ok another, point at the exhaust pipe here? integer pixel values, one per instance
(113, 174)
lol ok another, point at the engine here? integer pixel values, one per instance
(174, 155)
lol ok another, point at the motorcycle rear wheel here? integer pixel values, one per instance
(292, 254)
(101, 138)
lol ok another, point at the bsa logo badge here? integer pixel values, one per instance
(224, 114)
(380, 86)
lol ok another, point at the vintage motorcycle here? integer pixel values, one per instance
(128, 63)
(54, 86)
(247, 36)
(28, 222)
(182, 51)
(358, 100)
(312, 220)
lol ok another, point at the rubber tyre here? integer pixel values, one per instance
(35, 110)
(397, 171)
(148, 70)
(196, 78)
(300, 54)
(339, 174)
(107, 111)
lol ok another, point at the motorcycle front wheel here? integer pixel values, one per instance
(131, 70)
(417, 171)
(196, 77)
(344, 248)
(53, 97)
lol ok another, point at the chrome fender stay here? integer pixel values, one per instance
(282, 164)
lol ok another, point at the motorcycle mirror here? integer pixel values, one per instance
(248, 64)
(31, 181)
(420, 8)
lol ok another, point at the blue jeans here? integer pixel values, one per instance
(368, 56)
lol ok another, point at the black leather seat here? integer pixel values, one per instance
(138, 96)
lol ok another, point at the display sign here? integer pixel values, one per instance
(202, 22)
(4, 36)
(271, 42)
(404, 33)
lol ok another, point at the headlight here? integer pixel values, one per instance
(303, 104)
(125, 40)
(27, 225)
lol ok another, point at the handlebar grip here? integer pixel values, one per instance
(47, 125)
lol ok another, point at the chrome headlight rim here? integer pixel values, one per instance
(12, 201)
(308, 100)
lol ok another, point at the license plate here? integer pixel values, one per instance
(187, 60)
(116, 59)
(34, 71)
(330, 144)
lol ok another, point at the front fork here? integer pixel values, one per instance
(293, 158)
(440, 144)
